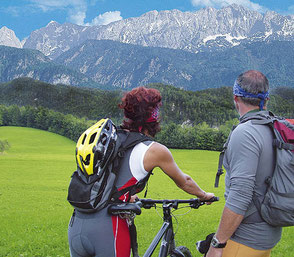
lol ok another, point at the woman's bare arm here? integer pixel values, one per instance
(158, 155)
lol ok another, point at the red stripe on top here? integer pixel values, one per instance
(121, 237)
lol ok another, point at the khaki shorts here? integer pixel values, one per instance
(234, 249)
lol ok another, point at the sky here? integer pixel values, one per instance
(25, 16)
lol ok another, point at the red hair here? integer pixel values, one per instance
(138, 105)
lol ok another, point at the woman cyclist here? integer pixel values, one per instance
(102, 235)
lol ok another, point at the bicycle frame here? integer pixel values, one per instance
(165, 233)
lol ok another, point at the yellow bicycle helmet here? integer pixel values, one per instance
(95, 146)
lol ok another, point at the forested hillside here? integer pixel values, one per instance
(190, 119)
(213, 106)
(81, 102)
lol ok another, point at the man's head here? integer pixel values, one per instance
(252, 87)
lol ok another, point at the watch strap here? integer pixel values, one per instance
(216, 244)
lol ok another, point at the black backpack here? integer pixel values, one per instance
(276, 207)
(92, 193)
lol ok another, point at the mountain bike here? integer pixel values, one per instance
(166, 233)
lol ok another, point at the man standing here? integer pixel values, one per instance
(248, 160)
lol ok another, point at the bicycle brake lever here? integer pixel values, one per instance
(196, 204)
(175, 205)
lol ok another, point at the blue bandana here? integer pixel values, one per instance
(238, 91)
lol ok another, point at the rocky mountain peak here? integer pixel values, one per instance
(8, 38)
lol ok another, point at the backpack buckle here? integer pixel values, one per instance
(268, 180)
(278, 143)
(220, 172)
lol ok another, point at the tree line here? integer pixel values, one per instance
(172, 135)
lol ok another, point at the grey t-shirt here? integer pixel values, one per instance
(249, 160)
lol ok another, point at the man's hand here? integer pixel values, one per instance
(214, 252)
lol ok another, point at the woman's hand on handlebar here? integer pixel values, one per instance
(206, 197)
(134, 198)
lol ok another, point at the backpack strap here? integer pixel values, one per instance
(282, 145)
(220, 167)
(125, 141)
(253, 215)
(259, 118)
(131, 139)
(221, 160)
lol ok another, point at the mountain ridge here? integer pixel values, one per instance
(126, 66)
(113, 65)
(191, 50)
(207, 29)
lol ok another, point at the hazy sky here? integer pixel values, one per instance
(25, 16)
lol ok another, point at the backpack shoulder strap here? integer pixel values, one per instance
(132, 138)
(221, 159)
(126, 141)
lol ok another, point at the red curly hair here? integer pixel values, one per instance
(138, 105)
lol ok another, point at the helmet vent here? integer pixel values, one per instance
(87, 160)
(84, 139)
(103, 139)
(92, 138)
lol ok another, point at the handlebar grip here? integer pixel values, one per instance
(138, 202)
(213, 199)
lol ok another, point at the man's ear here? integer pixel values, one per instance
(236, 102)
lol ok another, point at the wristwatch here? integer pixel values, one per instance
(216, 244)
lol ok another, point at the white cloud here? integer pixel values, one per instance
(12, 10)
(77, 17)
(105, 18)
(223, 3)
(76, 11)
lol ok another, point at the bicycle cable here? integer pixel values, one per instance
(176, 219)
(178, 215)
(155, 207)
(176, 230)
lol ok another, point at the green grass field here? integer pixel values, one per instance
(34, 213)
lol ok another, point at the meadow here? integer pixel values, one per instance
(34, 213)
